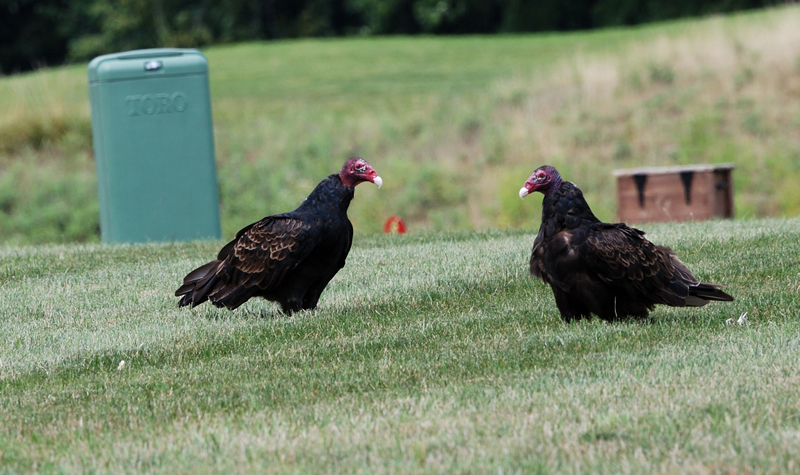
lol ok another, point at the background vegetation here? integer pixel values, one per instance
(429, 353)
(454, 125)
(37, 32)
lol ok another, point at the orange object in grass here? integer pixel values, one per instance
(394, 224)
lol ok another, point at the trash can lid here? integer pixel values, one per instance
(143, 63)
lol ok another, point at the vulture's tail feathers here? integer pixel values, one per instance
(231, 297)
(197, 284)
(703, 292)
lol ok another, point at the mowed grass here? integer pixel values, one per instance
(428, 353)
(454, 125)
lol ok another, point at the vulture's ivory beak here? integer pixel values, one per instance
(378, 181)
(523, 192)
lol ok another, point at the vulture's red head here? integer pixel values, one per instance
(545, 180)
(356, 170)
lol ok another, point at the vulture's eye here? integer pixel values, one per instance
(361, 168)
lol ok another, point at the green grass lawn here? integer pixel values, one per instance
(428, 353)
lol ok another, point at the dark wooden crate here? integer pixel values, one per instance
(680, 193)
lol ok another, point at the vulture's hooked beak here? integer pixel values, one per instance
(378, 181)
(523, 192)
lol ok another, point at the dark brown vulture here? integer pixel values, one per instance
(288, 258)
(606, 269)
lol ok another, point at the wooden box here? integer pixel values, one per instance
(680, 193)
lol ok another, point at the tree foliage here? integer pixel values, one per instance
(39, 32)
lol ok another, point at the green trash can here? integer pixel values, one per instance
(154, 146)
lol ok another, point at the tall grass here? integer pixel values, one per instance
(428, 353)
(453, 124)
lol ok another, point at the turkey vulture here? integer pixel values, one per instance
(606, 269)
(288, 258)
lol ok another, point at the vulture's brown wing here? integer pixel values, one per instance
(622, 257)
(264, 252)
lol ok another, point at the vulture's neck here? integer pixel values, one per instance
(330, 193)
(565, 209)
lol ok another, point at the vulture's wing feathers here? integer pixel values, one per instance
(624, 258)
(256, 261)
(264, 252)
(223, 253)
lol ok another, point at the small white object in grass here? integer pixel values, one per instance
(742, 319)
(121, 365)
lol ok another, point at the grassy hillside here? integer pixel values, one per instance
(454, 125)
(429, 353)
